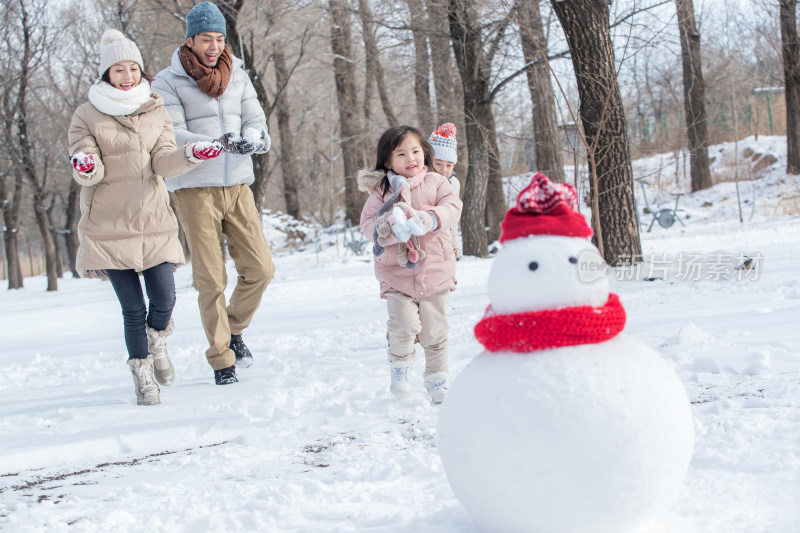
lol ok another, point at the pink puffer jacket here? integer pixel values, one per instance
(436, 271)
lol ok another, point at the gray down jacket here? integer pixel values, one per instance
(197, 116)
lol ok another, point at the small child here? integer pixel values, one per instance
(444, 144)
(407, 215)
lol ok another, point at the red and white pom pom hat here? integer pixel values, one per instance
(545, 208)
(444, 144)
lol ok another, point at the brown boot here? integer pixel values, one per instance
(157, 343)
(147, 391)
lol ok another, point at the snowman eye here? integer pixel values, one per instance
(573, 260)
(533, 265)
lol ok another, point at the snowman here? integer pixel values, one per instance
(563, 424)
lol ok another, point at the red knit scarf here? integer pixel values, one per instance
(540, 330)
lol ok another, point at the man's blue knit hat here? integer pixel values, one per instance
(204, 17)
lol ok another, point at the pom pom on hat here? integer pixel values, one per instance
(115, 47)
(545, 208)
(205, 17)
(109, 36)
(444, 144)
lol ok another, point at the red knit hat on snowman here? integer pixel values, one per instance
(547, 208)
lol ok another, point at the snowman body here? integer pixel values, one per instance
(579, 438)
(591, 438)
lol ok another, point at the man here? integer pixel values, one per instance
(210, 98)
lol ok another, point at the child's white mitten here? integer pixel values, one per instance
(421, 223)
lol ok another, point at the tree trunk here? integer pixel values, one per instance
(288, 164)
(422, 67)
(496, 205)
(25, 164)
(230, 11)
(54, 233)
(50, 257)
(373, 66)
(694, 96)
(350, 128)
(791, 73)
(72, 216)
(11, 211)
(545, 129)
(586, 27)
(468, 47)
(449, 93)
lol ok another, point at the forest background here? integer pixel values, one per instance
(573, 88)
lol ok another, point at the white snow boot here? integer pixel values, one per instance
(399, 372)
(157, 343)
(147, 391)
(437, 384)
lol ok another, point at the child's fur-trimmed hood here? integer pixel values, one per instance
(369, 179)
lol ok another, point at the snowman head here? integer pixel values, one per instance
(547, 260)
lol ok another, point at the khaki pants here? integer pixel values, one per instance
(208, 213)
(426, 317)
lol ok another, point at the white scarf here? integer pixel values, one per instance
(116, 102)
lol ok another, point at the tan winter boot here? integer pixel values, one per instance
(157, 343)
(147, 391)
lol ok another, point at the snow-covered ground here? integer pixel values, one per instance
(310, 439)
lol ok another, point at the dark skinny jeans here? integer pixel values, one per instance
(160, 285)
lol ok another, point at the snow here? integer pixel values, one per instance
(311, 440)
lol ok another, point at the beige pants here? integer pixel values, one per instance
(208, 213)
(426, 317)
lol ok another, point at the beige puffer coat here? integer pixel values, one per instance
(126, 221)
(436, 271)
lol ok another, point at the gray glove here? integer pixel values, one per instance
(239, 145)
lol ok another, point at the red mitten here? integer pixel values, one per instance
(83, 163)
(206, 150)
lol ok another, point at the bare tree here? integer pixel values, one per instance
(349, 123)
(11, 203)
(449, 93)
(484, 201)
(11, 183)
(19, 137)
(791, 73)
(373, 67)
(693, 96)
(586, 27)
(422, 78)
(545, 130)
(287, 155)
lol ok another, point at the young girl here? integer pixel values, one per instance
(445, 156)
(121, 144)
(408, 215)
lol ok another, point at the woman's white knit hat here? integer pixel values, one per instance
(115, 47)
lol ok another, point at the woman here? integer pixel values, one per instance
(122, 146)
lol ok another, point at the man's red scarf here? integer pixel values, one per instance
(540, 330)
